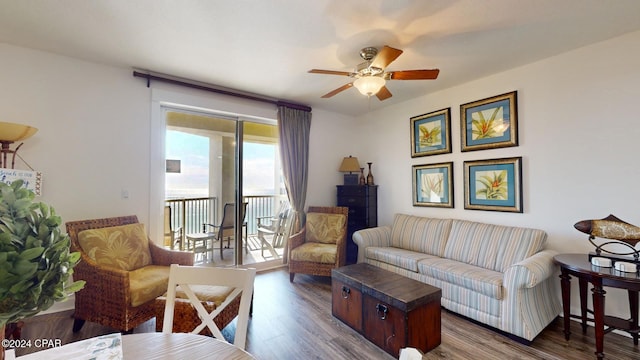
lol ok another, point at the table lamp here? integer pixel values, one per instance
(350, 164)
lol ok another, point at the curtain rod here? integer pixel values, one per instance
(150, 77)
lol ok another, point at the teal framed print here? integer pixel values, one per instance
(433, 185)
(494, 185)
(490, 123)
(431, 133)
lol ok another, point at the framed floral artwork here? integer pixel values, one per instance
(494, 184)
(433, 185)
(431, 133)
(490, 123)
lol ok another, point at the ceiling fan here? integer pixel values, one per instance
(370, 76)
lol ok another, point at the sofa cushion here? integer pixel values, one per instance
(123, 247)
(325, 228)
(483, 281)
(425, 235)
(315, 252)
(405, 259)
(492, 247)
(147, 283)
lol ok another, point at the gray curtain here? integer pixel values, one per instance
(294, 126)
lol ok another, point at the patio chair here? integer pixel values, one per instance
(226, 227)
(172, 237)
(275, 227)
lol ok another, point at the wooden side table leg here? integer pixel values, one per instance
(583, 303)
(598, 314)
(633, 308)
(565, 284)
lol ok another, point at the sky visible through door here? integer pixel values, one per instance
(193, 153)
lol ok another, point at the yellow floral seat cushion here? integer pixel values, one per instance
(205, 293)
(214, 294)
(325, 228)
(123, 247)
(147, 283)
(315, 252)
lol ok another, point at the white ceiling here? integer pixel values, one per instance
(266, 47)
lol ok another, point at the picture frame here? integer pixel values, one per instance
(490, 123)
(494, 185)
(433, 185)
(31, 180)
(431, 133)
(173, 166)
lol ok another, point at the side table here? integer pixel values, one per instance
(578, 265)
(201, 243)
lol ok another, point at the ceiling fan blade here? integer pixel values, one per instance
(338, 90)
(383, 94)
(330, 72)
(414, 74)
(385, 57)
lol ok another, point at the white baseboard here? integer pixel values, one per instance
(68, 304)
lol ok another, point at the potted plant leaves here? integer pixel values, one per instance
(35, 261)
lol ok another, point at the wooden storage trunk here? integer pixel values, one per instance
(388, 309)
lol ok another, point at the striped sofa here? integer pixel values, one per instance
(498, 275)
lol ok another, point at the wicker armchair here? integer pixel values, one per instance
(322, 244)
(106, 298)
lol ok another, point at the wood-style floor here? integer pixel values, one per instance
(293, 321)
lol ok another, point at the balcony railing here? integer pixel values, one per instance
(189, 214)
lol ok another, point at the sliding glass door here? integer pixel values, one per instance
(213, 163)
(265, 195)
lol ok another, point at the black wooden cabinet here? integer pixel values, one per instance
(362, 201)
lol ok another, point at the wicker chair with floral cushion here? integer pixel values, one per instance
(322, 244)
(124, 272)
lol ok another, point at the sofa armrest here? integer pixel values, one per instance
(377, 236)
(531, 271)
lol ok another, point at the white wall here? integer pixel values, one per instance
(579, 138)
(93, 138)
(333, 137)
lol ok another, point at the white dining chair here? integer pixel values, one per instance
(240, 279)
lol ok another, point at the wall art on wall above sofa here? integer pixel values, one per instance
(431, 133)
(433, 185)
(494, 184)
(490, 123)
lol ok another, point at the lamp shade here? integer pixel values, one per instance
(349, 164)
(11, 132)
(369, 85)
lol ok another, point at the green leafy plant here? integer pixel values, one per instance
(429, 138)
(494, 187)
(485, 128)
(35, 261)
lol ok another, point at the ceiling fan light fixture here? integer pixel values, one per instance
(369, 85)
